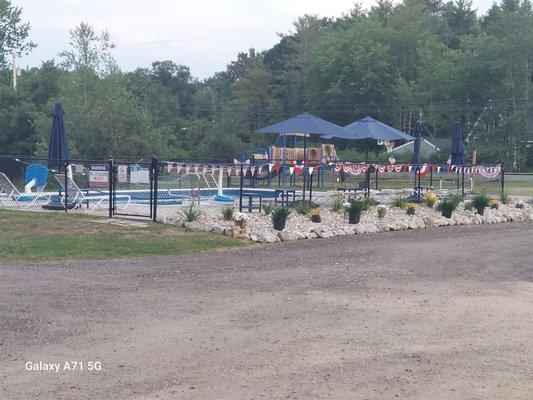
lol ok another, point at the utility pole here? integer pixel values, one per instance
(14, 71)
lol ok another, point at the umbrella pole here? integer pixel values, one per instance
(305, 159)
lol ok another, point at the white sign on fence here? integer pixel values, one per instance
(98, 175)
(138, 175)
(122, 173)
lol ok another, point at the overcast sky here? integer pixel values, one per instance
(203, 34)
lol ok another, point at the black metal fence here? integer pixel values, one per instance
(162, 190)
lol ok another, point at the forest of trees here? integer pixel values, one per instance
(418, 59)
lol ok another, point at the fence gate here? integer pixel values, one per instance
(133, 189)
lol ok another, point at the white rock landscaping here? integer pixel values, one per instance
(259, 228)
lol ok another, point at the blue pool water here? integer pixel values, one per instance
(164, 196)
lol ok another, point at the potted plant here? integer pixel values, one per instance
(494, 203)
(480, 202)
(447, 206)
(410, 209)
(279, 217)
(430, 199)
(354, 210)
(314, 214)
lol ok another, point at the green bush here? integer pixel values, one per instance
(338, 203)
(410, 209)
(505, 198)
(227, 213)
(355, 207)
(240, 222)
(191, 214)
(519, 205)
(302, 207)
(279, 216)
(399, 202)
(268, 208)
(481, 201)
(382, 211)
(447, 205)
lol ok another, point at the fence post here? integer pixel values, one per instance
(431, 178)
(377, 186)
(155, 166)
(310, 187)
(241, 181)
(111, 185)
(503, 179)
(419, 188)
(463, 181)
(65, 180)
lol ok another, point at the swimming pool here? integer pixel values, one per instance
(164, 196)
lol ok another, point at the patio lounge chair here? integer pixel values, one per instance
(11, 192)
(76, 198)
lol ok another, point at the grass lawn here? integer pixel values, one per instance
(34, 236)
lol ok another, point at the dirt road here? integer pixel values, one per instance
(431, 314)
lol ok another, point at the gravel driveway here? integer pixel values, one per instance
(432, 314)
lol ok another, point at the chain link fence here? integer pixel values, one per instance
(165, 190)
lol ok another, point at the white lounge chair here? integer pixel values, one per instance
(76, 198)
(11, 192)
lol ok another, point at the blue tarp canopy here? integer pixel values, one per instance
(458, 149)
(417, 160)
(369, 128)
(305, 124)
(58, 153)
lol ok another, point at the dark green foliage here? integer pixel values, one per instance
(227, 213)
(395, 61)
(399, 202)
(302, 207)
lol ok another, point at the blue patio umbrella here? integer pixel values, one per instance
(305, 124)
(370, 128)
(417, 160)
(58, 153)
(458, 149)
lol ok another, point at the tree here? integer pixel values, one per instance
(89, 51)
(13, 32)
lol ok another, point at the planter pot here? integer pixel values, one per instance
(480, 210)
(354, 218)
(279, 225)
(447, 214)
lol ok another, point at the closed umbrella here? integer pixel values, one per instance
(458, 149)
(416, 144)
(58, 153)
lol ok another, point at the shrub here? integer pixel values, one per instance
(369, 203)
(519, 205)
(354, 209)
(410, 209)
(279, 217)
(456, 199)
(302, 208)
(268, 208)
(446, 206)
(382, 211)
(480, 202)
(399, 202)
(240, 222)
(314, 214)
(191, 213)
(494, 203)
(338, 203)
(431, 199)
(505, 198)
(227, 213)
